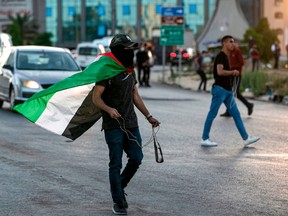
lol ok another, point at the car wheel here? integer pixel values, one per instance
(12, 98)
(1, 103)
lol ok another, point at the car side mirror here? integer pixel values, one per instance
(9, 67)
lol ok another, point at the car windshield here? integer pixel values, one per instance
(89, 51)
(46, 60)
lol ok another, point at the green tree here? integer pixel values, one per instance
(43, 39)
(23, 29)
(264, 37)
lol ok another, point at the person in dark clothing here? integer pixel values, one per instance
(200, 71)
(275, 48)
(142, 59)
(116, 97)
(222, 93)
(147, 67)
(236, 62)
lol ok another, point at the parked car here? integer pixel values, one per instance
(5, 47)
(30, 69)
(176, 54)
(105, 42)
(86, 53)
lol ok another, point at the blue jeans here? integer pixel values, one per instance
(219, 96)
(118, 142)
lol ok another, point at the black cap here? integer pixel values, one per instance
(123, 40)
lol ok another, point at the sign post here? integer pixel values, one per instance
(172, 29)
(172, 26)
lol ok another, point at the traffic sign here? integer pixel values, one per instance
(172, 20)
(172, 35)
(172, 11)
(172, 26)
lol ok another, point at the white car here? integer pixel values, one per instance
(86, 53)
(30, 69)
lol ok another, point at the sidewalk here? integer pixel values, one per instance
(160, 80)
(190, 81)
(186, 80)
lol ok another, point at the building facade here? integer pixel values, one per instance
(252, 9)
(12, 7)
(228, 19)
(276, 13)
(72, 22)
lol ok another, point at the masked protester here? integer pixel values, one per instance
(116, 98)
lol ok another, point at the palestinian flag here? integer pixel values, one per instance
(66, 108)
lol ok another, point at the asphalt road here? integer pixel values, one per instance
(46, 174)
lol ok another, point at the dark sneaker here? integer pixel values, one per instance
(226, 114)
(250, 109)
(118, 209)
(125, 204)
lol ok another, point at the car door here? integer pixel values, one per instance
(6, 77)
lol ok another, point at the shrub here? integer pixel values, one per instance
(279, 85)
(257, 81)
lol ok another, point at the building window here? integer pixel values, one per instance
(279, 15)
(48, 12)
(71, 11)
(101, 30)
(101, 10)
(278, 2)
(158, 9)
(279, 31)
(126, 9)
(193, 9)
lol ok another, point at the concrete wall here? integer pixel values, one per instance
(227, 19)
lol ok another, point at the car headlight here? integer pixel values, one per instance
(30, 84)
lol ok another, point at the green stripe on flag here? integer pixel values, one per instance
(33, 109)
(103, 68)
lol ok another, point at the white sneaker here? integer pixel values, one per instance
(208, 143)
(250, 140)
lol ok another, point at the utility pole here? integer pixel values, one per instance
(83, 22)
(206, 11)
(59, 23)
(76, 22)
(113, 17)
(179, 3)
(139, 20)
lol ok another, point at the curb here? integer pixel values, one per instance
(191, 83)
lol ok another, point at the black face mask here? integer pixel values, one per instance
(125, 56)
